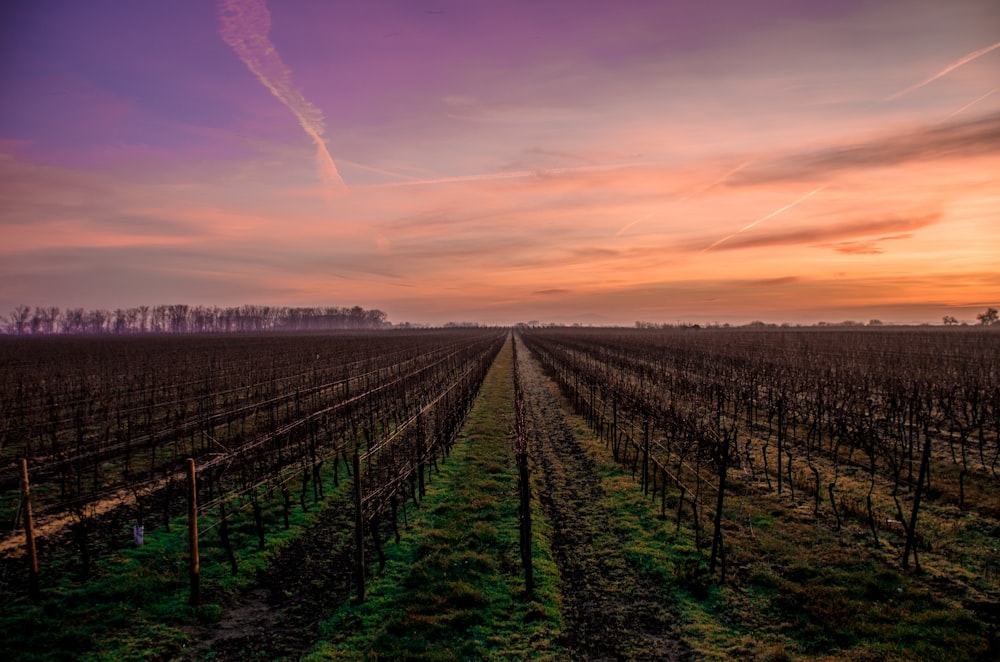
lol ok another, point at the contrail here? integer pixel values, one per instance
(968, 105)
(514, 174)
(707, 187)
(944, 72)
(244, 27)
(627, 226)
(698, 191)
(771, 215)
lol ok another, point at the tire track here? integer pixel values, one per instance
(612, 611)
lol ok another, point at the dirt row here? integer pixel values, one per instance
(612, 611)
(280, 617)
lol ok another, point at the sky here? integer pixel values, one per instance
(551, 160)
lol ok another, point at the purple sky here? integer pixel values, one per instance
(504, 161)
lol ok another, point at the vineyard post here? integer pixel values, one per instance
(29, 532)
(717, 532)
(524, 483)
(911, 529)
(359, 534)
(645, 455)
(420, 452)
(193, 534)
(614, 423)
(526, 535)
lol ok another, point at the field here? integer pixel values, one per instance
(484, 494)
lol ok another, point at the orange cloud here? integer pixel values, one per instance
(867, 247)
(832, 234)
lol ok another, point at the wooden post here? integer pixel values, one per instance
(645, 455)
(420, 453)
(29, 533)
(525, 493)
(359, 531)
(614, 431)
(195, 567)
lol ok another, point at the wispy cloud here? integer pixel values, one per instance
(866, 247)
(514, 174)
(768, 216)
(244, 25)
(944, 72)
(968, 138)
(970, 104)
(768, 282)
(838, 235)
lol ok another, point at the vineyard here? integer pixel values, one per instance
(788, 453)
(819, 483)
(107, 428)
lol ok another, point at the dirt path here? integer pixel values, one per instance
(280, 617)
(611, 610)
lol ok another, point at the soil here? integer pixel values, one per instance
(612, 610)
(281, 616)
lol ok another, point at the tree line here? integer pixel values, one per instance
(181, 318)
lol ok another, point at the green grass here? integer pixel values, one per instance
(453, 589)
(804, 595)
(135, 605)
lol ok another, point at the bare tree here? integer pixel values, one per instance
(989, 317)
(19, 319)
(37, 320)
(53, 313)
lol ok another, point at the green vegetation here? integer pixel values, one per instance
(805, 597)
(454, 588)
(135, 604)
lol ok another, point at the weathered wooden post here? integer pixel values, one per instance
(420, 452)
(195, 567)
(645, 455)
(359, 532)
(526, 536)
(29, 533)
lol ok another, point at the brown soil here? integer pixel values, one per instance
(612, 610)
(281, 616)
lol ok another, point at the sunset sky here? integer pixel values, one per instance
(503, 161)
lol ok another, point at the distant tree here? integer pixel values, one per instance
(989, 317)
(120, 323)
(37, 320)
(19, 319)
(75, 320)
(97, 319)
(180, 318)
(949, 320)
(52, 315)
(875, 323)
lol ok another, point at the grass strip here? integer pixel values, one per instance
(454, 587)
